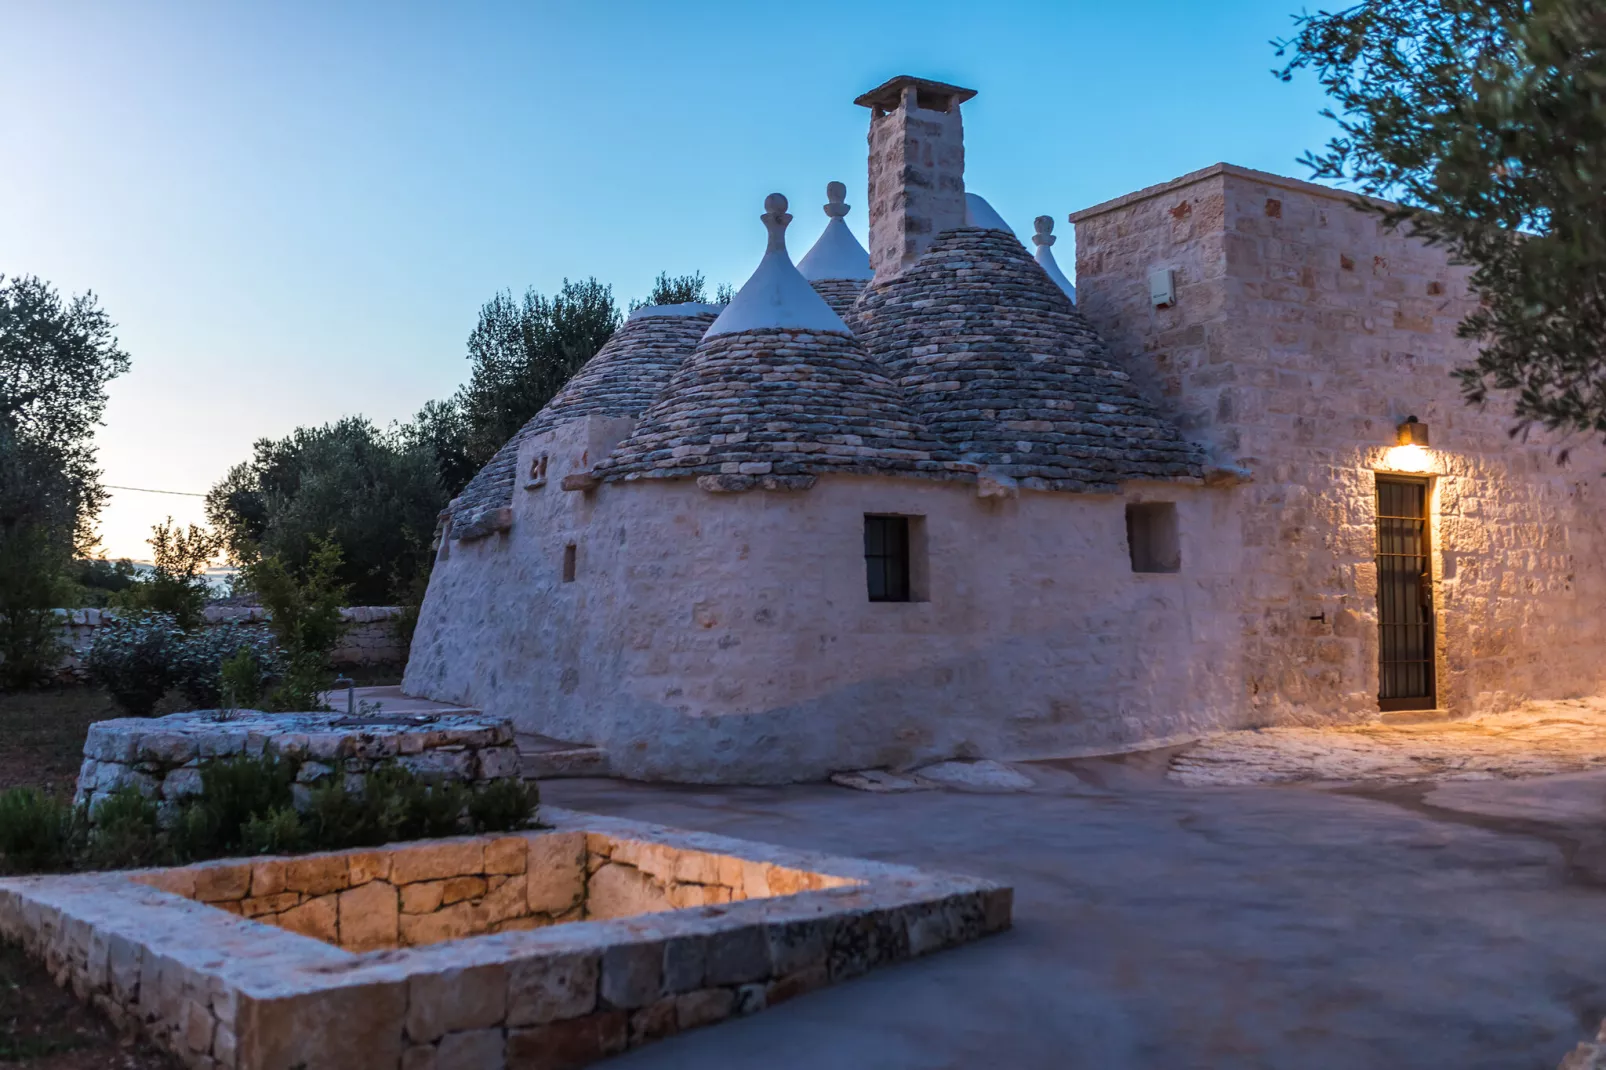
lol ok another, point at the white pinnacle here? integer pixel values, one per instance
(837, 254)
(776, 296)
(1044, 240)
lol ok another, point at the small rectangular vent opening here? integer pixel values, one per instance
(568, 563)
(1151, 537)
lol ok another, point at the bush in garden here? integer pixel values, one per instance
(503, 805)
(125, 834)
(137, 660)
(304, 613)
(36, 831)
(249, 652)
(176, 584)
(247, 806)
(234, 792)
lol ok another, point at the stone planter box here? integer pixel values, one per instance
(548, 948)
(162, 756)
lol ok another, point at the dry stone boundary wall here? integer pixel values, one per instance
(372, 635)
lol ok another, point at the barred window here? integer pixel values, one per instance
(886, 557)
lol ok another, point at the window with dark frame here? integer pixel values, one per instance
(886, 557)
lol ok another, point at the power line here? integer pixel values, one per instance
(147, 490)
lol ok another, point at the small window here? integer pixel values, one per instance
(568, 563)
(886, 557)
(1151, 537)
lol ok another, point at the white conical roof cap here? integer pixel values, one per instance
(777, 296)
(1044, 240)
(837, 254)
(978, 213)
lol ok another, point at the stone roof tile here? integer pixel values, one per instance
(623, 379)
(1003, 369)
(779, 403)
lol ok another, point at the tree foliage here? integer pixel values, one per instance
(670, 289)
(523, 351)
(374, 493)
(176, 584)
(1486, 121)
(55, 361)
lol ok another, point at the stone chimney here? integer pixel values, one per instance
(917, 168)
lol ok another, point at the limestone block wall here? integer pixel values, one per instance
(1303, 333)
(371, 635)
(729, 637)
(411, 895)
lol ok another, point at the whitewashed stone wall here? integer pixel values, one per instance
(371, 636)
(712, 637)
(1302, 334)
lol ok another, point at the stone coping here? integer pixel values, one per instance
(222, 991)
(1233, 170)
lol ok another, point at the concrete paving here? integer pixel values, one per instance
(1165, 926)
(1535, 739)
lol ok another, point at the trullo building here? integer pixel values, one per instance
(930, 500)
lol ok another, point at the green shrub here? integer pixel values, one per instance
(304, 606)
(36, 831)
(300, 689)
(395, 804)
(204, 653)
(125, 833)
(274, 833)
(176, 584)
(137, 661)
(233, 791)
(246, 806)
(503, 805)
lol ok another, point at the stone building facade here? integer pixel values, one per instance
(1302, 334)
(913, 503)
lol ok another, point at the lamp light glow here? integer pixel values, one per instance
(1408, 457)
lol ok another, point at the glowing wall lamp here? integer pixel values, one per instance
(1413, 432)
(1410, 453)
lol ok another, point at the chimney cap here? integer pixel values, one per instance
(887, 95)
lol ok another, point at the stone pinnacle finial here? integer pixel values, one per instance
(835, 194)
(1045, 230)
(775, 220)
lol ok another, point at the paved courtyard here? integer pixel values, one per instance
(1163, 925)
(1536, 739)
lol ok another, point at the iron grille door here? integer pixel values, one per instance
(1404, 596)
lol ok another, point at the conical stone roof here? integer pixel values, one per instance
(623, 379)
(775, 403)
(1044, 240)
(1004, 371)
(837, 266)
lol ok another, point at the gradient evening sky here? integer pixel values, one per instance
(294, 211)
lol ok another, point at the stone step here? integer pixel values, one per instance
(1413, 716)
(545, 758)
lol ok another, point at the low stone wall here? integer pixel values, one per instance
(222, 992)
(162, 756)
(418, 894)
(371, 636)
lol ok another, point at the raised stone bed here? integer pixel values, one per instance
(667, 931)
(161, 756)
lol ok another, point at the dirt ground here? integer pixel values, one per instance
(43, 1027)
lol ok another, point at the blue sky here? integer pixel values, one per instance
(294, 210)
